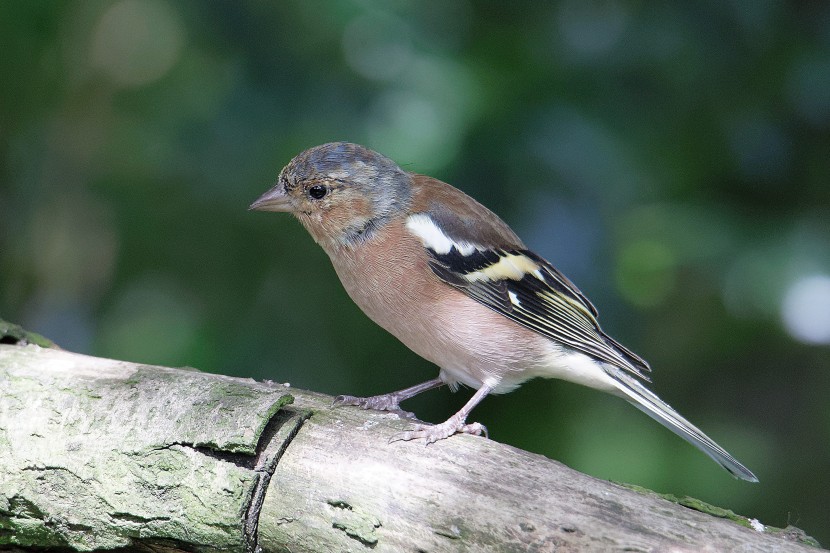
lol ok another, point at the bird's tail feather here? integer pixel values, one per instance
(645, 400)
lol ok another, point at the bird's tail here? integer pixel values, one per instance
(646, 401)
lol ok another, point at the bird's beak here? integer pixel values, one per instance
(274, 200)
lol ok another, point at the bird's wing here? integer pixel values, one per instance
(526, 289)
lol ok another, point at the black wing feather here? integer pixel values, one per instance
(546, 302)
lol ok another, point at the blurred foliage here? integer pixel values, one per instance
(672, 159)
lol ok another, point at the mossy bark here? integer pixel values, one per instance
(97, 454)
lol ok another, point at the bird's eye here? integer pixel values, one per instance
(318, 191)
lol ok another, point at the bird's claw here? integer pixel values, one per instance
(386, 402)
(433, 433)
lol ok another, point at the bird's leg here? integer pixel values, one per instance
(454, 425)
(389, 402)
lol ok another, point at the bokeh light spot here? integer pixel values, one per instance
(645, 272)
(137, 41)
(590, 29)
(377, 46)
(805, 310)
(411, 128)
(808, 87)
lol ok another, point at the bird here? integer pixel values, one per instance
(453, 282)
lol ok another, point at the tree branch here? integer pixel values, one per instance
(99, 454)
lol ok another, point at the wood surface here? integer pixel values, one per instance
(98, 454)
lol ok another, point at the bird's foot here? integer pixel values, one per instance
(385, 402)
(434, 432)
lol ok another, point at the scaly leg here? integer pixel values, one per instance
(454, 425)
(389, 402)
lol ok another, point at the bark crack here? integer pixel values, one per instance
(275, 439)
(242, 460)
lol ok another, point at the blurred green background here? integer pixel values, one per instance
(673, 160)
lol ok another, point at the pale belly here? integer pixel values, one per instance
(471, 343)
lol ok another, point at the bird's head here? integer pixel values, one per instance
(341, 192)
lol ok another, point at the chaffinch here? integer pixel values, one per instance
(453, 282)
